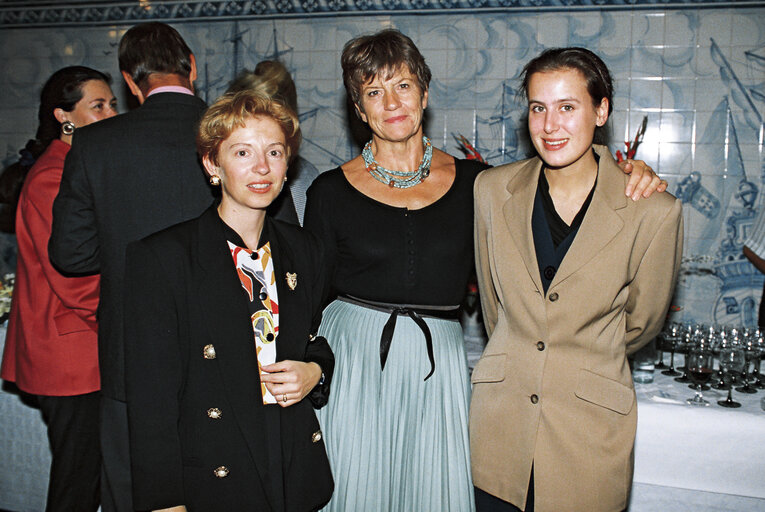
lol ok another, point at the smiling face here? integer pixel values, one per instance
(393, 107)
(252, 164)
(562, 118)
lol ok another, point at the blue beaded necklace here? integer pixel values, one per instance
(398, 179)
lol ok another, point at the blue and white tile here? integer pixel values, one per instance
(647, 28)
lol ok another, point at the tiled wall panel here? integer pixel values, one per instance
(697, 74)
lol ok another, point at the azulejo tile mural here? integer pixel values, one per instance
(696, 75)
(41, 12)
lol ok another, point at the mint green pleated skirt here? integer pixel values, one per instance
(396, 443)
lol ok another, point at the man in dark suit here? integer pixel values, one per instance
(122, 181)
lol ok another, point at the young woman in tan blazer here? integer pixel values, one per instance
(574, 276)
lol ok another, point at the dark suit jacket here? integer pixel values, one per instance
(290, 205)
(182, 295)
(125, 177)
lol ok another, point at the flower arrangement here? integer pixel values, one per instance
(6, 294)
(632, 146)
(471, 153)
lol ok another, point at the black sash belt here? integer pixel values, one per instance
(412, 311)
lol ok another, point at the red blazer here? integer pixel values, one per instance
(51, 345)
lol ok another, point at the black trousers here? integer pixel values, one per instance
(116, 484)
(75, 471)
(485, 502)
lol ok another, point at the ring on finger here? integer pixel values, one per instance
(284, 398)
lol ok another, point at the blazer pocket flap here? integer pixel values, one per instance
(489, 368)
(605, 392)
(68, 322)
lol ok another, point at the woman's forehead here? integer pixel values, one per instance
(389, 72)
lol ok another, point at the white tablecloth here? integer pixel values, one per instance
(705, 450)
(24, 451)
(686, 458)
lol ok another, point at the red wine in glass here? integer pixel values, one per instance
(701, 375)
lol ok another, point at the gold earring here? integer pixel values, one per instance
(67, 127)
(214, 180)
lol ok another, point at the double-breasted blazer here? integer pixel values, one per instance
(553, 387)
(126, 177)
(199, 432)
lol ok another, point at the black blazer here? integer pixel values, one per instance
(184, 302)
(126, 177)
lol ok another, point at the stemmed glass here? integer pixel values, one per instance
(731, 362)
(720, 343)
(689, 339)
(672, 337)
(699, 364)
(751, 351)
(759, 339)
(663, 343)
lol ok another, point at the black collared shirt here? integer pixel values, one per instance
(559, 230)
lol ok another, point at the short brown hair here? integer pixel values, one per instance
(232, 110)
(384, 52)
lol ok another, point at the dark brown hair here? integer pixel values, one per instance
(153, 48)
(599, 82)
(62, 90)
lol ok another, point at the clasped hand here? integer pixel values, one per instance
(290, 381)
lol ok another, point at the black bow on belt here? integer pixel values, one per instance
(415, 313)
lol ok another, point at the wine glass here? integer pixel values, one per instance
(751, 351)
(699, 365)
(663, 343)
(731, 362)
(672, 338)
(689, 339)
(759, 339)
(721, 342)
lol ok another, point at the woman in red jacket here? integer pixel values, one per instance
(50, 348)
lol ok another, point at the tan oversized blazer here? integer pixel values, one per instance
(553, 387)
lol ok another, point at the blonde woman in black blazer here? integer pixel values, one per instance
(203, 436)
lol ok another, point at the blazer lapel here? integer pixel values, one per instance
(517, 211)
(230, 331)
(601, 222)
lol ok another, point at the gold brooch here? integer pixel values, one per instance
(316, 437)
(292, 280)
(209, 352)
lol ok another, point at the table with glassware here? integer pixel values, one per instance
(699, 458)
(702, 452)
